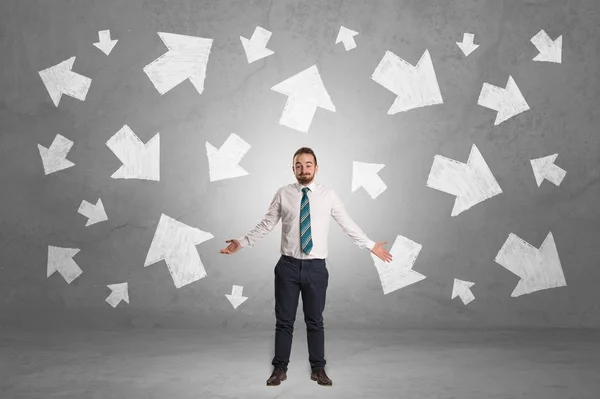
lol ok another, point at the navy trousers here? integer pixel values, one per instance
(292, 277)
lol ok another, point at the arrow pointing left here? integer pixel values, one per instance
(187, 58)
(224, 162)
(61, 260)
(59, 80)
(55, 157)
(176, 243)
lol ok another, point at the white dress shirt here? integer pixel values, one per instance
(324, 203)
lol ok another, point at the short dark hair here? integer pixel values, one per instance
(305, 150)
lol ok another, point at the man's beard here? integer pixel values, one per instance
(304, 179)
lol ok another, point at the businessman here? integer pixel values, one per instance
(304, 209)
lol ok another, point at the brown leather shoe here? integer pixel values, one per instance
(321, 378)
(277, 376)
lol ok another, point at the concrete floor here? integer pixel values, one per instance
(181, 364)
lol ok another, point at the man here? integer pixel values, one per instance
(304, 209)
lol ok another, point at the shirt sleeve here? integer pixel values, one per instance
(339, 214)
(266, 225)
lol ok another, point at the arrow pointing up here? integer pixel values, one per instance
(140, 161)
(256, 47)
(550, 50)
(365, 175)
(544, 168)
(508, 102)
(463, 290)
(415, 87)
(467, 45)
(94, 213)
(346, 36)
(398, 273)
(59, 80)
(305, 92)
(539, 269)
(60, 259)
(55, 157)
(105, 44)
(471, 183)
(187, 58)
(223, 163)
(176, 243)
(120, 292)
(236, 298)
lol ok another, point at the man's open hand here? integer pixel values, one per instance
(381, 252)
(233, 247)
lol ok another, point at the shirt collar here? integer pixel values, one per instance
(300, 186)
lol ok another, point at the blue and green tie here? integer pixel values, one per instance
(305, 234)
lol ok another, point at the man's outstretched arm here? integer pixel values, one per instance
(266, 225)
(339, 214)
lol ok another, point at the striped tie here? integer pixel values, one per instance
(305, 234)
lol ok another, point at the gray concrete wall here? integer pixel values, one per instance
(41, 210)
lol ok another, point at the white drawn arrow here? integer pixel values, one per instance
(463, 290)
(94, 213)
(305, 92)
(105, 44)
(256, 47)
(61, 260)
(539, 269)
(187, 58)
(223, 163)
(59, 80)
(140, 161)
(236, 297)
(398, 273)
(120, 292)
(365, 175)
(544, 168)
(471, 183)
(176, 243)
(550, 50)
(55, 157)
(508, 102)
(346, 36)
(414, 87)
(467, 45)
